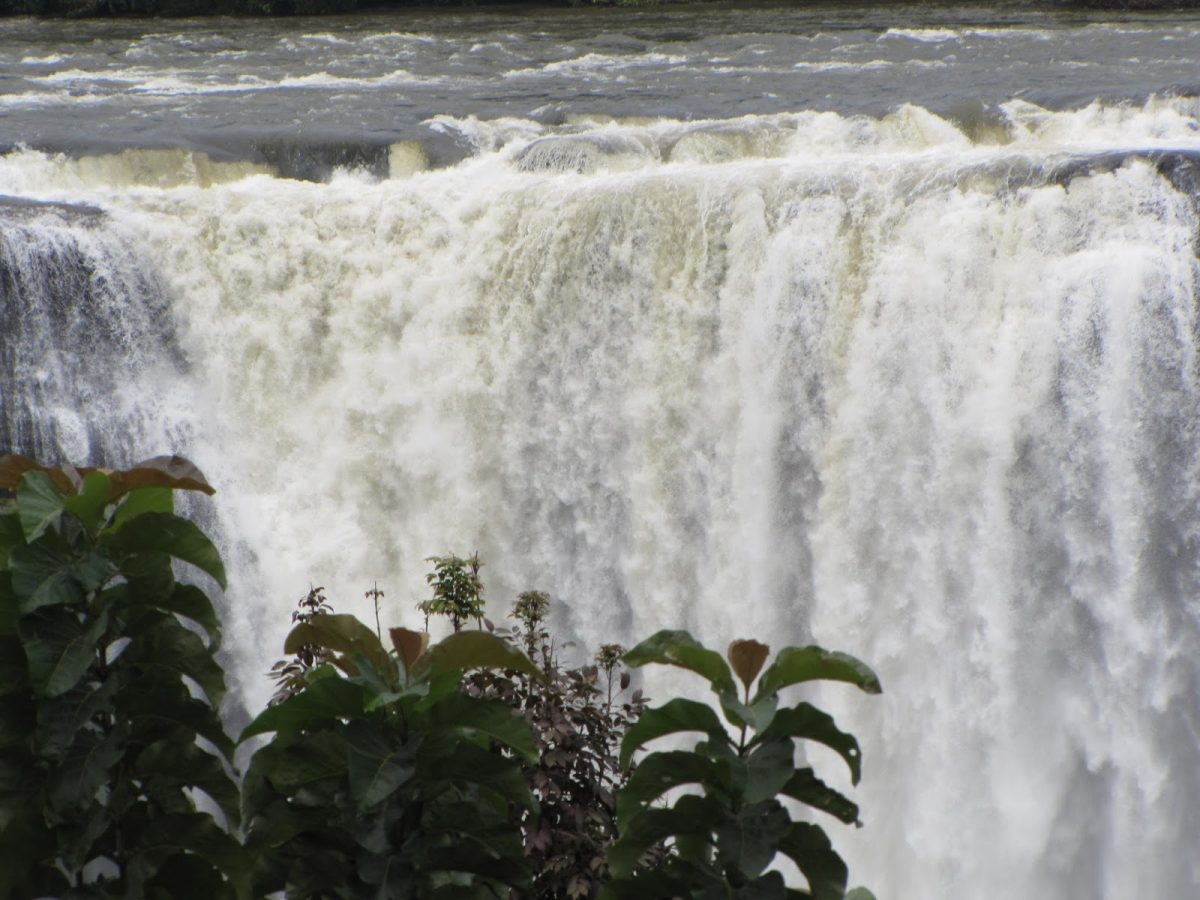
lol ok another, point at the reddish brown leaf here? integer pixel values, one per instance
(747, 658)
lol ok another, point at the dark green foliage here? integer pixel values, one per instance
(577, 728)
(457, 591)
(107, 680)
(723, 839)
(381, 779)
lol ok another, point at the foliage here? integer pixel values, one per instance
(381, 780)
(577, 729)
(457, 590)
(109, 690)
(725, 837)
(291, 675)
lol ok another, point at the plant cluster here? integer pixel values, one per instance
(457, 590)
(577, 729)
(724, 838)
(109, 691)
(480, 767)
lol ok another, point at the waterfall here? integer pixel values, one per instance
(926, 396)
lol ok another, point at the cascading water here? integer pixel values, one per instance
(924, 391)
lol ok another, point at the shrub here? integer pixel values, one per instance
(723, 839)
(109, 690)
(381, 780)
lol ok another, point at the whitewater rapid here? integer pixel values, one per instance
(922, 393)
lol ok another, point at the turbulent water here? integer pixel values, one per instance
(793, 325)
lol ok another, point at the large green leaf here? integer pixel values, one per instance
(808, 788)
(144, 500)
(678, 648)
(44, 574)
(59, 647)
(161, 642)
(188, 601)
(794, 665)
(342, 634)
(747, 843)
(185, 764)
(39, 504)
(660, 772)
(807, 722)
(691, 816)
(13, 671)
(378, 761)
(318, 704)
(189, 833)
(493, 718)
(11, 536)
(769, 766)
(18, 714)
(61, 719)
(671, 718)
(463, 763)
(808, 847)
(160, 532)
(72, 786)
(156, 707)
(474, 650)
(291, 765)
(89, 504)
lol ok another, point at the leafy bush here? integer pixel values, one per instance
(457, 591)
(724, 839)
(577, 728)
(380, 780)
(109, 691)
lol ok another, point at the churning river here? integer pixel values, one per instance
(763, 322)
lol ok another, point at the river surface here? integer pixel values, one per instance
(795, 324)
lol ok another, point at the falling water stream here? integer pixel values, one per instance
(770, 323)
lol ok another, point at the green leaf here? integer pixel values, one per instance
(808, 847)
(806, 721)
(13, 672)
(71, 787)
(143, 500)
(660, 772)
(159, 532)
(807, 788)
(769, 767)
(11, 537)
(678, 648)
(195, 833)
(748, 843)
(160, 641)
(185, 764)
(39, 504)
(493, 718)
(17, 717)
(474, 650)
(342, 634)
(61, 719)
(859, 893)
(43, 574)
(448, 759)
(89, 504)
(377, 763)
(60, 649)
(188, 601)
(692, 816)
(671, 718)
(318, 704)
(313, 757)
(155, 708)
(9, 610)
(794, 665)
